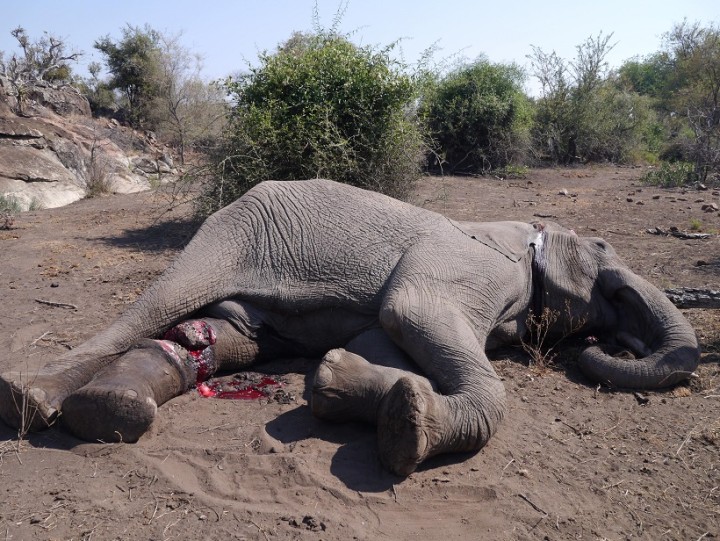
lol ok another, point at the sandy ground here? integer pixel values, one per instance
(570, 461)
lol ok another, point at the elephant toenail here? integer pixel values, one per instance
(152, 403)
(323, 376)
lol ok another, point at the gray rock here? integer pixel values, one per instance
(55, 150)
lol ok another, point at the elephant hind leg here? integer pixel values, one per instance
(351, 383)
(348, 388)
(121, 402)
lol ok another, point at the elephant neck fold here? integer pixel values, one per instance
(539, 267)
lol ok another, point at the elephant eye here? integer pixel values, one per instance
(602, 245)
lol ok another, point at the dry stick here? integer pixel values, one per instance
(210, 429)
(687, 439)
(57, 304)
(620, 482)
(43, 335)
(538, 509)
(261, 530)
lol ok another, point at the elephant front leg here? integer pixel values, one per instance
(120, 403)
(414, 421)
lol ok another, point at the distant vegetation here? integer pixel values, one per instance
(479, 117)
(322, 106)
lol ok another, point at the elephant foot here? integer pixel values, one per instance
(346, 388)
(120, 403)
(28, 404)
(31, 402)
(408, 425)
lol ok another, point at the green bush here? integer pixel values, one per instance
(615, 126)
(587, 113)
(9, 204)
(671, 175)
(479, 117)
(320, 107)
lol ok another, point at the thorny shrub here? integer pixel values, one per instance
(320, 107)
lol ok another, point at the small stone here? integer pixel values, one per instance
(701, 263)
(563, 192)
(656, 197)
(629, 200)
(55, 284)
(639, 203)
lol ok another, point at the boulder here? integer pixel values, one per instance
(145, 165)
(64, 101)
(51, 154)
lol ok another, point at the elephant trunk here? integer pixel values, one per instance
(663, 348)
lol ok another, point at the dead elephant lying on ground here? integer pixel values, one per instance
(413, 298)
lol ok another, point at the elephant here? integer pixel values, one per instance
(400, 303)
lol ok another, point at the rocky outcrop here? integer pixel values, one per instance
(55, 152)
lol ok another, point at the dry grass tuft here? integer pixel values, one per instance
(538, 343)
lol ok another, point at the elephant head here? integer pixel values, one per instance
(644, 340)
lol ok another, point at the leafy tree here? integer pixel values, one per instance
(652, 76)
(479, 116)
(98, 92)
(319, 106)
(133, 63)
(583, 114)
(695, 56)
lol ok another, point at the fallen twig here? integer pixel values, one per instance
(675, 232)
(57, 304)
(538, 509)
(692, 297)
(43, 335)
(260, 529)
(620, 482)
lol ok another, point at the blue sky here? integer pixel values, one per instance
(229, 33)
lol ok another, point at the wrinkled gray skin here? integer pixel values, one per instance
(317, 265)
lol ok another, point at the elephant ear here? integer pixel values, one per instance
(511, 239)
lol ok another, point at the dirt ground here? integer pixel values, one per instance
(570, 461)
